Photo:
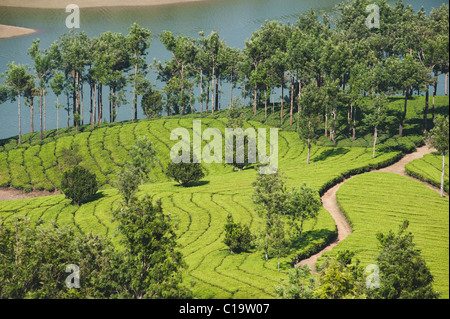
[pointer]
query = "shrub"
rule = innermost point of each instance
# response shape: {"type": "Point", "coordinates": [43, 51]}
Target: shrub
{"type": "Point", "coordinates": [237, 237]}
{"type": "Point", "coordinates": [78, 184]}
{"type": "Point", "coordinates": [185, 173]}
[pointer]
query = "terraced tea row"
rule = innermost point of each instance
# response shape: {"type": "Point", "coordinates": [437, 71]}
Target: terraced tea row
{"type": "Point", "coordinates": [200, 212]}
{"type": "Point", "coordinates": [379, 202]}
{"type": "Point", "coordinates": [429, 169]}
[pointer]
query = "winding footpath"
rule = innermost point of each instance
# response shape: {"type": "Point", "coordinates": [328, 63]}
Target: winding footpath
{"type": "Point", "coordinates": [329, 202]}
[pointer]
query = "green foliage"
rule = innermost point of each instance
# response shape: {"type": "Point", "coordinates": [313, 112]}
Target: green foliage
{"type": "Point", "coordinates": [302, 204]}
{"type": "Point", "coordinates": [79, 185]}
{"type": "Point", "coordinates": [439, 135]}
{"type": "Point", "coordinates": [152, 102]}
{"type": "Point", "coordinates": [142, 156]}
{"type": "Point", "coordinates": [155, 265]}
{"type": "Point", "coordinates": [429, 170]}
{"type": "Point", "coordinates": [340, 280]}
{"type": "Point", "coordinates": [237, 237]}
{"type": "Point", "coordinates": [33, 263]}
{"type": "Point", "coordinates": [126, 182]}
{"type": "Point", "coordinates": [185, 174]}
{"type": "Point", "coordinates": [404, 273]}
{"type": "Point", "coordinates": [300, 284]}
{"type": "Point", "coordinates": [269, 192]}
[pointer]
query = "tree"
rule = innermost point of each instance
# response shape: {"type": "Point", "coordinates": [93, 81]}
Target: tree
{"type": "Point", "coordinates": [79, 185]}
{"type": "Point", "coordinates": [339, 279]}
{"type": "Point", "coordinates": [57, 85]}
{"type": "Point", "coordinates": [154, 263]}
{"type": "Point", "coordinates": [375, 116]}
{"type": "Point", "coordinates": [185, 174]}
{"type": "Point", "coordinates": [138, 41]}
{"type": "Point", "coordinates": [300, 284]}
{"type": "Point", "coordinates": [439, 139]}
{"type": "Point", "coordinates": [74, 57]}
{"type": "Point", "coordinates": [312, 101]}
{"type": "Point", "coordinates": [237, 237]}
{"type": "Point", "coordinates": [302, 204]}
{"type": "Point", "coordinates": [126, 182]}
{"type": "Point", "coordinates": [143, 159]}
{"type": "Point", "coordinates": [403, 271]}
{"type": "Point", "coordinates": [269, 193]}
{"type": "Point", "coordinates": [269, 197]}
{"type": "Point", "coordinates": [36, 257]}
{"type": "Point", "coordinates": [43, 65]}
{"type": "Point", "coordinates": [152, 102]}
{"type": "Point", "coordinates": [17, 79]}
{"type": "Point", "coordinates": [179, 68]}
{"type": "Point", "coordinates": [408, 74]}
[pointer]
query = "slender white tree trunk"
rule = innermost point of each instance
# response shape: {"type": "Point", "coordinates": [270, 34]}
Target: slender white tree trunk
{"type": "Point", "coordinates": [442, 175]}
{"type": "Point", "coordinates": [375, 135]}
{"type": "Point", "coordinates": [20, 122]}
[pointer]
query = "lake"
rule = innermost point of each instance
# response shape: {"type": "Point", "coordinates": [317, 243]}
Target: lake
{"type": "Point", "coordinates": [235, 20]}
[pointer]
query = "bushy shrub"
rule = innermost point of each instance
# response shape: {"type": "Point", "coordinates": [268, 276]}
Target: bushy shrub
{"type": "Point", "coordinates": [237, 237]}
{"type": "Point", "coordinates": [79, 185]}
{"type": "Point", "coordinates": [185, 173]}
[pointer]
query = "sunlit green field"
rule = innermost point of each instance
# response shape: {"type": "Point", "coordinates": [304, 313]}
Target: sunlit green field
{"type": "Point", "coordinates": [199, 213]}
{"type": "Point", "coordinates": [429, 169]}
{"type": "Point", "coordinates": [379, 202]}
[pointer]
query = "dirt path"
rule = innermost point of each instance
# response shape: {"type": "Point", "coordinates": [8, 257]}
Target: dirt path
{"type": "Point", "coordinates": [12, 194]}
{"type": "Point", "coordinates": [330, 203]}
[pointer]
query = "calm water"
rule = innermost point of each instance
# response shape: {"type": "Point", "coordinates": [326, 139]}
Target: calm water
{"type": "Point", "coordinates": [235, 20]}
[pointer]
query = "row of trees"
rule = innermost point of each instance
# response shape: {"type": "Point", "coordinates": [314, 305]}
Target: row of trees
{"type": "Point", "coordinates": [396, 275]}
{"type": "Point", "coordinates": [73, 61]}
{"type": "Point", "coordinates": [334, 54]}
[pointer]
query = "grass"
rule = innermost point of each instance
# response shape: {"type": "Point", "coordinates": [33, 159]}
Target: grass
{"type": "Point", "coordinates": [379, 202]}
{"type": "Point", "coordinates": [429, 169]}
{"type": "Point", "coordinates": [199, 213]}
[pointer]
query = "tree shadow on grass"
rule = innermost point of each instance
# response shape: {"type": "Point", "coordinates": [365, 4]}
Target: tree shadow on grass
{"type": "Point", "coordinates": [195, 184]}
{"type": "Point", "coordinates": [330, 153]}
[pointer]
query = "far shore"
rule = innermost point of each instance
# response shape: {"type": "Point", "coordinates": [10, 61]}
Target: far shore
{"type": "Point", "coordinates": [55, 4]}
{"type": "Point", "coordinates": [9, 31]}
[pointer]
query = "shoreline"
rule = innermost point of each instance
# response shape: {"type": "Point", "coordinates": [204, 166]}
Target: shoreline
{"type": "Point", "coordinates": [85, 4]}
{"type": "Point", "coordinates": [9, 31]}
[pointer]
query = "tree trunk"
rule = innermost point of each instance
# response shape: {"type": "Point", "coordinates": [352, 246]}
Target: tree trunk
{"type": "Point", "coordinates": [326, 124]}
{"type": "Point", "coordinates": [57, 115]}
{"type": "Point", "coordinates": [301, 230]}
{"type": "Point", "coordinates": [20, 121]}
{"type": "Point", "coordinates": [81, 102]}
{"type": "Point", "coordinates": [93, 106]}
{"type": "Point", "coordinates": [265, 103]}
{"type": "Point", "coordinates": [442, 175]}
{"type": "Point", "coordinates": [446, 84]}
{"type": "Point", "coordinates": [32, 116]}
{"type": "Point", "coordinates": [40, 115]}
{"type": "Point", "coordinates": [135, 89]}
{"type": "Point", "coordinates": [201, 92]}
{"type": "Point", "coordinates": [114, 105]}
{"type": "Point", "coordinates": [110, 106]}
{"type": "Point", "coordinates": [309, 151]}
{"type": "Point", "coordinates": [91, 110]}
{"type": "Point", "coordinates": [354, 124]}
{"type": "Point", "coordinates": [434, 95]}
{"type": "Point", "coordinates": [291, 112]}
{"type": "Point", "coordinates": [217, 94]}
{"type": "Point", "coordinates": [375, 136]}
{"type": "Point", "coordinates": [255, 98]}
{"type": "Point", "coordinates": [425, 111]}
{"type": "Point", "coordinates": [45, 117]}
{"type": "Point", "coordinates": [282, 104]}
{"type": "Point", "coordinates": [231, 90]}
{"type": "Point", "coordinates": [402, 119]}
